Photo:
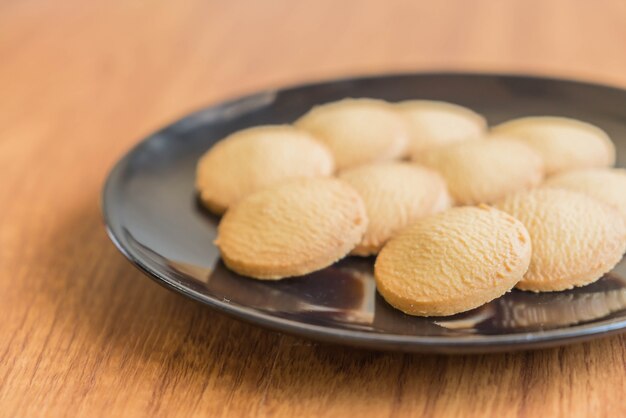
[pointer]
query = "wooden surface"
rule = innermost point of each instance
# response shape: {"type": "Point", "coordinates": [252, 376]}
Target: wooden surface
{"type": "Point", "coordinates": [84, 333]}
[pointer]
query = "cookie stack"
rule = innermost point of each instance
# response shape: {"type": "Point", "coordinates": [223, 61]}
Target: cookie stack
{"type": "Point", "coordinates": [457, 214]}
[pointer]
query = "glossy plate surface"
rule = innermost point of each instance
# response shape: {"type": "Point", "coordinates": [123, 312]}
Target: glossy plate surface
{"type": "Point", "coordinates": [152, 216]}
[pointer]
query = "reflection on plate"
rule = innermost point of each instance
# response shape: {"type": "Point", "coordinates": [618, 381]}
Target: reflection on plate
{"type": "Point", "coordinates": [345, 293]}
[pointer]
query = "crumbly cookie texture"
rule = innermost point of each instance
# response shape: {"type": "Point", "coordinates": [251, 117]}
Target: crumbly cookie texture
{"type": "Point", "coordinates": [434, 123]}
{"type": "Point", "coordinates": [575, 238]}
{"type": "Point", "coordinates": [292, 229]}
{"type": "Point", "coordinates": [485, 171]}
{"type": "Point", "coordinates": [255, 158]}
{"type": "Point", "coordinates": [357, 131]}
{"type": "Point", "coordinates": [453, 261]}
{"type": "Point", "coordinates": [396, 194]}
{"type": "Point", "coordinates": [605, 184]}
{"type": "Point", "coordinates": [563, 143]}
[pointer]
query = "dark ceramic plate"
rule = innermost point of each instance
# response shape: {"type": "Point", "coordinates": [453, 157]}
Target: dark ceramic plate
{"type": "Point", "coordinates": [152, 216]}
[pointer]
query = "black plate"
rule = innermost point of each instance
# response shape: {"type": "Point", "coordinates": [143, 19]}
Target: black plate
{"type": "Point", "coordinates": [152, 216]}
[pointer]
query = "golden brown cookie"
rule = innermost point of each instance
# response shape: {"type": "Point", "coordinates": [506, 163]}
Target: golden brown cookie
{"type": "Point", "coordinates": [255, 158]}
{"type": "Point", "coordinates": [395, 194]}
{"type": "Point", "coordinates": [485, 171]}
{"type": "Point", "coordinates": [564, 144]}
{"type": "Point", "coordinates": [575, 238]}
{"type": "Point", "coordinates": [605, 184]}
{"type": "Point", "coordinates": [453, 261]}
{"type": "Point", "coordinates": [433, 124]}
{"type": "Point", "coordinates": [357, 131]}
{"type": "Point", "coordinates": [292, 229]}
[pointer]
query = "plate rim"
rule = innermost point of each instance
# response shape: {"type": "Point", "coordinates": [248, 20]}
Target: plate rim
{"type": "Point", "coordinates": [467, 344]}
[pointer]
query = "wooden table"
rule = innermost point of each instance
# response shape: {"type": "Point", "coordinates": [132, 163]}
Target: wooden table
{"type": "Point", "coordinates": [82, 332]}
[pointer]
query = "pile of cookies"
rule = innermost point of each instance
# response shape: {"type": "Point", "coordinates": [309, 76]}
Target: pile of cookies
{"type": "Point", "coordinates": [458, 214]}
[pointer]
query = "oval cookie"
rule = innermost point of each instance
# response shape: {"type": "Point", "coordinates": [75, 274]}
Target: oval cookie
{"type": "Point", "coordinates": [564, 144]}
{"type": "Point", "coordinates": [292, 229]}
{"type": "Point", "coordinates": [433, 124]}
{"type": "Point", "coordinates": [453, 261]}
{"type": "Point", "coordinates": [575, 238]}
{"type": "Point", "coordinates": [395, 194]}
{"type": "Point", "coordinates": [485, 171]}
{"type": "Point", "coordinates": [357, 131]}
{"type": "Point", "coordinates": [255, 158]}
{"type": "Point", "coordinates": [605, 184]}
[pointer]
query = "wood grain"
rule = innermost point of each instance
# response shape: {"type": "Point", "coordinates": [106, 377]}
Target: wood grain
{"type": "Point", "coordinates": [83, 333]}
